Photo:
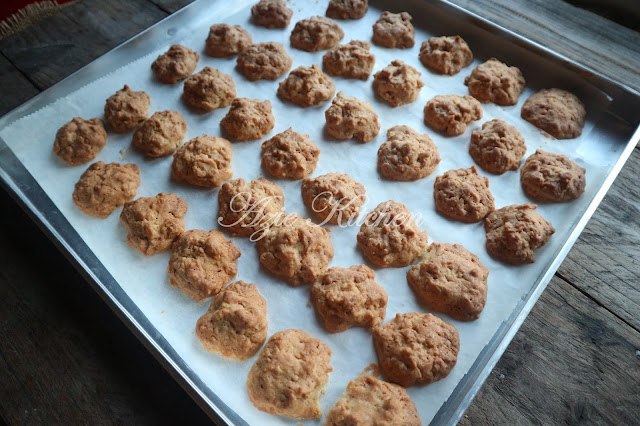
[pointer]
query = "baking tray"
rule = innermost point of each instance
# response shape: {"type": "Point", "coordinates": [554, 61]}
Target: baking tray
{"type": "Point", "coordinates": [612, 127]}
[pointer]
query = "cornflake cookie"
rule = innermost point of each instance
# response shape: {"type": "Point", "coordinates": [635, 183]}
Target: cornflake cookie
{"type": "Point", "coordinates": [209, 89]}
{"type": "Point", "coordinates": [202, 262]}
{"type": "Point", "coordinates": [370, 401]}
{"type": "Point", "coordinates": [248, 119]}
{"type": "Point", "coordinates": [306, 86]}
{"type": "Point", "coordinates": [245, 209]}
{"type": "Point", "coordinates": [394, 30]}
{"type": "Point", "coordinates": [102, 188]}
{"type": "Point", "coordinates": [79, 141]}
{"type": "Point", "coordinates": [290, 375]}
{"type": "Point", "coordinates": [271, 14]}
{"type": "Point", "coordinates": [463, 195]}
{"type": "Point", "coordinates": [494, 81]}
{"type": "Point", "coordinates": [452, 280]}
{"type": "Point", "coordinates": [450, 114]}
{"type": "Point", "coordinates": [351, 60]}
{"type": "Point", "coordinates": [176, 64]}
{"type": "Point", "coordinates": [515, 232]}
{"type": "Point", "coordinates": [349, 117]}
{"type": "Point", "coordinates": [416, 348]}
{"type": "Point", "coordinates": [445, 55]}
{"type": "Point", "coordinates": [546, 176]}
{"type": "Point", "coordinates": [264, 61]}
{"type": "Point", "coordinates": [160, 134]}
{"type": "Point", "coordinates": [347, 9]}
{"type": "Point", "coordinates": [407, 155]}
{"type": "Point", "coordinates": [398, 83]}
{"type": "Point", "coordinates": [316, 33]}
{"type": "Point", "coordinates": [125, 109]}
{"type": "Point", "coordinates": [235, 326]}
{"type": "Point", "coordinates": [295, 249]}
{"type": "Point", "coordinates": [203, 161]}
{"type": "Point", "coordinates": [498, 147]}
{"type": "Point", "coordinates": [390, 237]}
{"type": "Point", "coordinates": [349, 297]}
{"type": "Point", "coordinates": [333, 198]}
{"type": "Point", "coordinates": [225, 40]}
{"type": "Point", "coordinates": [153, 223]}
{"type": "Point", "coordinates": [290, 155]}
{"type": "Point", "coordinates": [557, 112]}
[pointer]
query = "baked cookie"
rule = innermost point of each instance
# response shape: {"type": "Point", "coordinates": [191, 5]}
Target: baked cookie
{"type": "Point", "coordinates": [203, 161]}
{"type": "Point", "coordinates": [226, 40]}
{"type": "Point", "coordinates": [79, 141]}
{"type": "Point", "coordinates": [498, 147]}
{"type": "Point", "coordinates": [349, 117]}
{"type": "Point", "coordinates": [160, 134]}
{"type": "Point", "coordinates": [306, 86]}
{"type": "Point", "coordinates": [349, 297]}
{"type": "Point", "coordinates": [494, 81]}
{"type": "Point", "coordinates": [416, 348]}
{"type": "Point", "coordinates": [290, 375]}
{"type": "Point", "coordinates": [202, 262]}
{"type": "Point", "coordinates": [102, 188]}
{"type": "Point", "coordinates": [245, 209]}
{"type": "Point", "coordinates": [515, 232]}
{"type": "Point", "coordinates": [394, 30]}
{"type": "Point", "coordinates": [445, 55]}
{"type": "Point", "coordinates": [463, 195]}
{"type": "Point", "coordinates": [125, 109]}
{"type": "Point", "coordinates": [209, 89]}
{"type": "Point", "coordinates": [351, 60]}
{"type": "Point", "coordinates": [347, 9]}
{"type": "Point", "coordinates": [390, 237]}
{"type": "Point", "coordinates": [333, 198]}
{"type": "Point", "coordinates": [153, 223]}
{"type": "Point", "coordinates": [546, 176]}
{"type": "Point", "coordinates": [452, 280]}
{"type": "Point", "coordinates": [263, 61]}
{"type": "Point", "coordinates": [557, 112]}
{"type": "Point", "coordinates": [316, 33]}
{"type": "Point", "coordinates": [398, 83]}
{"type": "Point", "coordinates": [176, 64]}
{"type": "Point", "coordinates": [271, 14]}
{"type": "Point", "coordinates": [248, 119]}
{"type": "Point", "coordinates": [407, 155]}
{"type": "Point", "coordinates": [370, 401]}
{"type": "Point", "coordinates": [450, 114]}
{"type": "Point", "coordinates": [295, 249]}
{"type": "Point", "coordinates": [290, 155]}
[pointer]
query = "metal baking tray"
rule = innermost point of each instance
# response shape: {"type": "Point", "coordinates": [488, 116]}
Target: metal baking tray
{"type": "Point", "coordinates": [613, 127]}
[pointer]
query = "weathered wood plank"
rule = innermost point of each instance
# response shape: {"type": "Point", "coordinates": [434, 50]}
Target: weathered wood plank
{"type": "Point", "coordinates": [16, 89]}
{"type": "Point", "coordinates": [171, 6]}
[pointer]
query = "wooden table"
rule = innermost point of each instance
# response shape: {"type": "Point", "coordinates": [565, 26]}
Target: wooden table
{"type": "Point", "coordinates": [66, 358]}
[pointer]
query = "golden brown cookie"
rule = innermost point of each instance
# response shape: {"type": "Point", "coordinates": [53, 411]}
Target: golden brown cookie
{"type": "Point", "coordinates": [498, 147]}
{"type": "Point", "coordinates": [306, 86]}
{"type": "Point", "coordinates": [463, 195]}
{"type": "Point", "coordinates": [102, 188]}
{"type": "Point", "coordinates": [209, 89]}
{"type": "Point", "coordinates": [203, 161]}
{"type": "Point", "coordinates": [347, 9]}
{"type": "Point", "coordinates": [390, 237]}
{"type": "Point", "coordinates": [160, 134]}
{"type": "Point", "coordinates": [271, 14]}
{"type": "Point", "coordinates": [445, 55]}
{"type": "Point", "coordinates": [546, 176]}
{"type": "Point", "coordinates": [349, 117]}
{"type": "Point", "coordinates": [416, 348]}
{"type": "Point", "coordinates": [494, 81]}
{"type": "Point", "coordinates": [452, 280]}
{"type": "Point", "coordinates": [248, 119]}
{"type": "Point", "coordinates": [349, 297]}
{"type": "Point", "coordinates": [290, 375]}
{"type": "Point", "coordinates": [351, 60]}
{"type": "Point", "coordinates": [450, 114]}
{"type": "Point", "coordinates": [235, 326]}
{"type": "Point", "coordinates": [79, 141]}
{"type": "Point", "coordinates": [176, 64]}
{"type": "Point", "coordinates": [125, 109]}
{"type": "Point", "coordinates": [333, 198]}
{"type": "Point", "coordinates": [398, 83]}
{"type": "Point", "coordinates": [515, 232]}
{"type": "Point", "coordinates": [316, 33]}
{"type": "Point", "coordinates": [153, 223]}
{"type": "Point", "coordinates": [290, 155]}
{"type": "Point", "coordinates": [264, 61]}
{"type": "Point", "coordinates": [394, 30]}
{"type": "Point", "coordinates": [407, 155]}
{"type": "Point", "coordinates": [226, 40]}
{"type": "Point", "coordinates": [557, 112]}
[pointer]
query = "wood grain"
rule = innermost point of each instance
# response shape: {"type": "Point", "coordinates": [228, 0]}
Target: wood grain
{"type": "Point", "coordinates": [18, 91]}
{"type": "Point", "coordinates": [171, 6]}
